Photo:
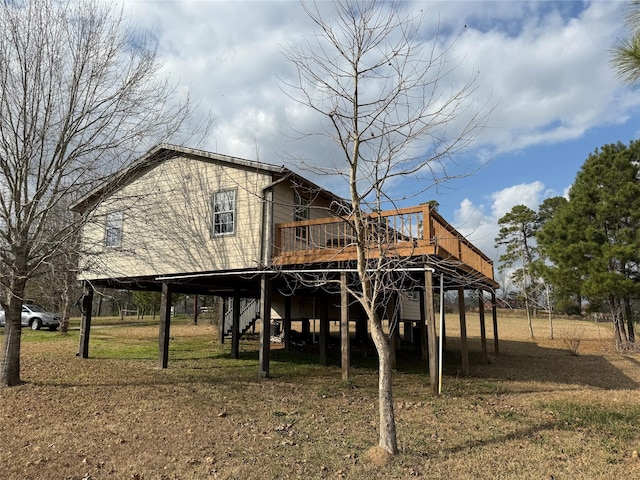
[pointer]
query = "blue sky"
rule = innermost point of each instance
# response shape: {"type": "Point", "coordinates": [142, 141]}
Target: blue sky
{"type": "Point", "coordinates": [543, 67]}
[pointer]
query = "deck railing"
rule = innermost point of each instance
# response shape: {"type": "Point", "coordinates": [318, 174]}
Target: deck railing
{"type": "Point", "coordinates": [412, 231]}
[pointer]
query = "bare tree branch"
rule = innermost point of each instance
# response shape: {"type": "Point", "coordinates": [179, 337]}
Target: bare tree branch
{"type": "Point", "coordinates": [81, 94]}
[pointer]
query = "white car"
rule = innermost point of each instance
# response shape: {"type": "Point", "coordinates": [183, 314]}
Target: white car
{"type": "Point", "coordinates": [35, 317]}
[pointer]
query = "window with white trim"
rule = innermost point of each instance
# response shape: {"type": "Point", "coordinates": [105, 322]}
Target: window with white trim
{"type": "Point", "coordinates": [113, 229]}
{"type": "Point", "coordinates": [224, 212]}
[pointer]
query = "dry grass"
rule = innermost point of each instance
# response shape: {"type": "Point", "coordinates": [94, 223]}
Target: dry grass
{"type": "Point", "coordinates": [534, 412]}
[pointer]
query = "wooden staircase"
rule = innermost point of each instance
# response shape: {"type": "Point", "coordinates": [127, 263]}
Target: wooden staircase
{"type": "Point", "coordinates": [249, 315]}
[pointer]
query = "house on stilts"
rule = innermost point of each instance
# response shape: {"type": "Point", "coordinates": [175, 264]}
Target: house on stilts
{"type": "Point", "coordinates": [272, 245]}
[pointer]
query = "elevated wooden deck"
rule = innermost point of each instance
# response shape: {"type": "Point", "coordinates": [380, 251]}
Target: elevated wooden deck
{"type": "Point", "coordinates": [410, 232]}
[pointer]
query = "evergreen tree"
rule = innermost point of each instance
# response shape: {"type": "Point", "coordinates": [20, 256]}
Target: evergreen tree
{"type": "Point", "coordinates": [518, 235]}
{"type": "Point", "coordinates": [565, 281]}
{"type": "Point", "coordinates": [595, 238]}
{"type": "Point", "coordinates": [626, 54]}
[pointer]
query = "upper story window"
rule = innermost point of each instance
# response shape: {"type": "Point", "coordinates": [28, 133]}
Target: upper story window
{"type": "Point", "coordinates": [224, 212]}
{"type": "Point", "coordinates": [113, 230]}
{"type": "Point", "coordinates": [300, 213]}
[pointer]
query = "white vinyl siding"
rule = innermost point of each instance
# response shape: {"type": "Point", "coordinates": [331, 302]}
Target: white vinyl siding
{"type": "Point", "coordinates": [284, 203]}
{"type": "Point", "coordinates": [169, 222]}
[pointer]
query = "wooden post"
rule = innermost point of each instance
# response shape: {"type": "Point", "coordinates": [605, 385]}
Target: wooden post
{"type": "Point", "coordinates": [222, 310]}
{"type": "Point", "coordinates": [165, 325]}
{"type": "Point", "coordinates": [287, 323]}
{"type": "Point", "coordinates": [195, 309]}
{"type": "Point", "coordinates": [427, 221]}
{"type": "Point", "coordinates": [323, 344]}
{"type": "Point", "coordinates": [463, 332]}
{"type": "Point", "coordinates": [265, 316]}
{"type": "Point", "coordinates": [444, 328]}
{"type": "Point", "coordinates": [235, 326]}
{"type": "Point", "coordinates": [423, 326]}
{"type": "Point", "coordinates": [431, 334]}
{"type": "Point", "coordinates": [494, 314]}
{"type": "Point", "coordinates": [85, 325]}
{"type": "Point", "coordinates": [344, 327]}
{"type": "Point", "coordinates": [483, 333]}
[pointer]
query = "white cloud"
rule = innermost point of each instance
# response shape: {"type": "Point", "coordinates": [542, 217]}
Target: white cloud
{"type": "Point", "coordinates": [551, 77]}
{"type": "Point", "coordinates": [534, 62]}
{"type": "Point", "coordinates": [481, 226]}
{"type": "Point", "coordinates": [527, 194]}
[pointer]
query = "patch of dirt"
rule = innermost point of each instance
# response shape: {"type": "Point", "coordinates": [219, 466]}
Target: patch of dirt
{"type": "Point", "coordinates": [379, 456]}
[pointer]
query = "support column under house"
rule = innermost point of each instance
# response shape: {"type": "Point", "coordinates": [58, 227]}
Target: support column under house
{"type": "Point", "coordinates": [235, 326]}
{"type": "Point", "coordinates": [463, 332]}
{"type": "Point", "coordinates": [165, 325]}
{"type": "Point", "coordinates": [483, 333]}
{"type": "Point", "coordinates": [323, 341]}
{"type": "Point", "coordinates": [344, 327]}
{"type": "Point", "coordinates": [431, 330]}
{"type": "Point", "coordinates": [286, 327]}
{"type": "Point", "coordinates": [265, 316]}
{"type": "Point", "coordinates": [494, 314]}
{"type": "Point", "coordinates": [222, 309]}
{"type": "Point", "coordinates": [85, 323]}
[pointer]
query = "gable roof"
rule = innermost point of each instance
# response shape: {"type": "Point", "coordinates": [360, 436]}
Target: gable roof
{"type": "Point", "coordinates": [163, 152]}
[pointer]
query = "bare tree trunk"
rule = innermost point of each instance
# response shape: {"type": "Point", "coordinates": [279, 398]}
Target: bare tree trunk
{"type": "Point", "coordinates": [629, 314]}
{"type": "Point", "coordinates": [387, 436]}
{"type": "Point", "coordinates": [10, 372]}
{"type": "Point", "coordinates": [528, 308]}
{"type": "Point", "coordinates": [618, 325]}
{"type": "Point", "coordinates": [549, 306]}
{"type": "Point", "coordinates": [65, 307]}
{"type": "Point", "coordinates": [619, 335]}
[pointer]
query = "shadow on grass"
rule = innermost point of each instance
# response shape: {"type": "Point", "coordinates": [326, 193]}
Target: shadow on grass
{"type": "Point", "coordinates": [526, 361]}
{"type": "Point", "coordinates": [615, 425]}
{"type": "Point", "coordinates": [518, 361]}
{"type": "Point", "coordinates": [519, 434]}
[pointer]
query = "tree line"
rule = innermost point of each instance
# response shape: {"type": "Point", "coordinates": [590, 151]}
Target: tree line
{"type": "Point", "coordinates": [582, 250]}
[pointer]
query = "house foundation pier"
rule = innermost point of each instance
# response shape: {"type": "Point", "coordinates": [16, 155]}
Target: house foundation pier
{"type": "Point", "coordinates": [165, 325]}
{"type": "Point", "coordinates": [463, 333]}
{"type": "Point", "coordinates": [265, 331]}
{"type": "Point", "coordinates": [432, 344]}
{"type": "Point", "coordinates": [483, 333]}
{"type": "Point", "coordinates": [85, 323]}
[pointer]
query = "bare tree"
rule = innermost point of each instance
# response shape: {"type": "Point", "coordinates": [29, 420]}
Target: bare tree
{"type": "Point", "coordinates": [382, 92]}
{"type": "Point", "coordinates": [81, 94]}
{"type": "Point", "coordinates": [54, 284]}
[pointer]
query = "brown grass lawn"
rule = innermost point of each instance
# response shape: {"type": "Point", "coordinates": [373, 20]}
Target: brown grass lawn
{"type": "Point", "coordinates": [534, 412]}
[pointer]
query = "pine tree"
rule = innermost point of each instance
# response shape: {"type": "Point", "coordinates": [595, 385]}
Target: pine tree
{"type": "Point", "coordinates": [595, 238]}
{"type": "Point", "coordinates": [518, 235]}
